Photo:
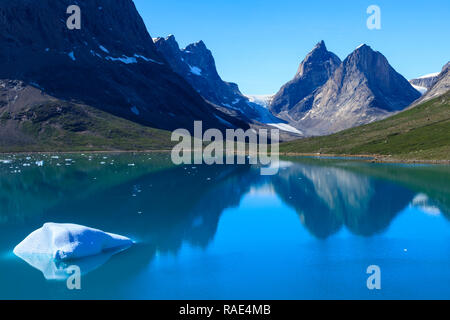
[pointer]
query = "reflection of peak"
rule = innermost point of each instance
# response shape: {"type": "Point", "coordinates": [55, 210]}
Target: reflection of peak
{"type": "Point", "coordinates": [327, 198]}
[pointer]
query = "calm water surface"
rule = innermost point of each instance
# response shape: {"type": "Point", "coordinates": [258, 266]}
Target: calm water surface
{"type": "Point", "coordinates": [226, 232]}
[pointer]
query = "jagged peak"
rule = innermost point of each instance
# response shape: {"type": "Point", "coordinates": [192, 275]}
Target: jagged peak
{"type": "Point", "coordinates": [199, 45]}
{"type": "Point", "coordinates": [320, 45]}
{"type": "Point", "coordinates": [361, 46]}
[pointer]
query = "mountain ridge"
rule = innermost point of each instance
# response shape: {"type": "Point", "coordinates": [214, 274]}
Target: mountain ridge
{"type": "Point", "coordinates": [111, 63]}
{"type": "Point", "coordinates": [363, 89]}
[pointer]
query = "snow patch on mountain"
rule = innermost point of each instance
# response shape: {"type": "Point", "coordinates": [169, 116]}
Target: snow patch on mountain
{"type": "Point", "coordinates": [195, 70]}
{"type": "Point", "coordinates": [262, 100]}
{"type": "Point", "coordinates": [421, 89]}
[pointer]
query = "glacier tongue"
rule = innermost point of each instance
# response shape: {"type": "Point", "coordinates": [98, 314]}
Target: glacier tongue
{"type": "Point", "coordinates": [68, 242]}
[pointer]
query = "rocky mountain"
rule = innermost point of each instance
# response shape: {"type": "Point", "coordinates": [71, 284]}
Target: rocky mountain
{"type": "Point", "coordinates": [111, 63]}
{"type": "Point", "coordinates": [419, 133]}
{"type": "Point", "coordinates": [312, 73]}
{"type": "Point", "coordinates": [196, 65]}
{"type": "Point", "coordinates": [363, 89]}
{"type": "Point", "coordinates": [440, 85]}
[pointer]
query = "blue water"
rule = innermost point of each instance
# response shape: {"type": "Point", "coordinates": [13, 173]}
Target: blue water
{"type": "Point", "coordinates": [226, 232]}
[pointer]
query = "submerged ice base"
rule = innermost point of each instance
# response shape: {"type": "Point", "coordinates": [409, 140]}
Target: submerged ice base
{"type": "Point", "coordinates": [63, 242]}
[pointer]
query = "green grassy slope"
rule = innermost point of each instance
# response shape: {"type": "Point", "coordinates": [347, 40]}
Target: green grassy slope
{"type": "Point", "coordinates": [420, 133]}
{"type": "Point", "coordinates": [63, 126]}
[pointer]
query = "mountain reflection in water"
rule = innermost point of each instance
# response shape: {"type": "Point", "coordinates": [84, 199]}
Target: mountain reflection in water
{"type": "Point", "coordinates": [164, 207]}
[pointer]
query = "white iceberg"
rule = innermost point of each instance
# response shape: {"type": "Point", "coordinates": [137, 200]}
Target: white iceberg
{"type": "Point", "coordinates": [63, 242]}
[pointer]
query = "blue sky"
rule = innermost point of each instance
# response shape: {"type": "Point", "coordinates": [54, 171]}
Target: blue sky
{"type": "Point", "coordinates": [259, 43]}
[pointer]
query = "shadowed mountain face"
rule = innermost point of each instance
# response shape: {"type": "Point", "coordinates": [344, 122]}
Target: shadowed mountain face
{"type": "Point", "coordinates": [312, 73]}
{"type": "Point", "coordinates": [111, 63]}
{"type": "Point", "coordinates": [196, 65]}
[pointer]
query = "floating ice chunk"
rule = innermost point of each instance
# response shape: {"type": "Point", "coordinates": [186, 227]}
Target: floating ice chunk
{"type": "Point", "coordinates": [72, 56]}
{"type": "Point", "coordinates": [69, 241]}
{"type": "Point", "coordinates": [135, 110]}
{"type": "Point", "coordinates": [40, 163]}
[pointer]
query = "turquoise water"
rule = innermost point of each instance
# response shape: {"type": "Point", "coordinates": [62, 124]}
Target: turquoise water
{"type": "Point", "coordinates": [226, 232]}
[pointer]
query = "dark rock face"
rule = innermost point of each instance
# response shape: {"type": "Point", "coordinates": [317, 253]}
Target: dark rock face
{"type": "Point", "coordinates": [197, 66]}
{"type": "Point", "coordinates": [364, 88]}
{"type": "Point", "coordinates": [312, 73]}
{"type": "Point", "coordinates": [111, 63]}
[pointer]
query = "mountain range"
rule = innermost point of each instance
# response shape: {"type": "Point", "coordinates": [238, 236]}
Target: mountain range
{"type": "Point", "coordinates": [111, 63]}
{"type": "Point", "coordinates": [110, 85]}
{"type": "Point", "coordinates": [196, 65]}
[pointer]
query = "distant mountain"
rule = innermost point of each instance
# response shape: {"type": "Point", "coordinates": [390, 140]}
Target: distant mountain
{"type": "Point", "coordinates": [111, 64]}
{"type": "Point", "coordinates": [196, 65]}
{"type": "Point", "coordinates": [363, 89]}
{"type": "Point", "coordinates": [439, 86]}
{"type": "Point", "coordinates": [419, 133]}
{"type": "Point", "coordinates": [262, 100]}
{"type": "Point", "coordinates": [423, 83]}
{"type": "Point", "coordinates": [312, 73]}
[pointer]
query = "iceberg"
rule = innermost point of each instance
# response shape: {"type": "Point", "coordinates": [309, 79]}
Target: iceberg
{"type": "Point", "coordinates": [64, 242]}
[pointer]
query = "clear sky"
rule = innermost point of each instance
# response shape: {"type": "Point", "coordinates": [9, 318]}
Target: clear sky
{"type": "Point", "coordinates": [259, 43]}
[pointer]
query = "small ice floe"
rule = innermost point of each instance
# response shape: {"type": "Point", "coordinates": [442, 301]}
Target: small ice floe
{"type": "Point", "coordinates": [50, 247]}
{"type": "Point", "coordinates": [72, 56]}
{"type": "Point", "coordinates": [40, 163]}
{"type": "Point", "coordinates": [131, 164]}
{"type": "Point", "coordinates": [135, 110]}
{"type": "Point", "coordinates": [6, 161]}
{"type": "Point", "coordinates": [55, 157]}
